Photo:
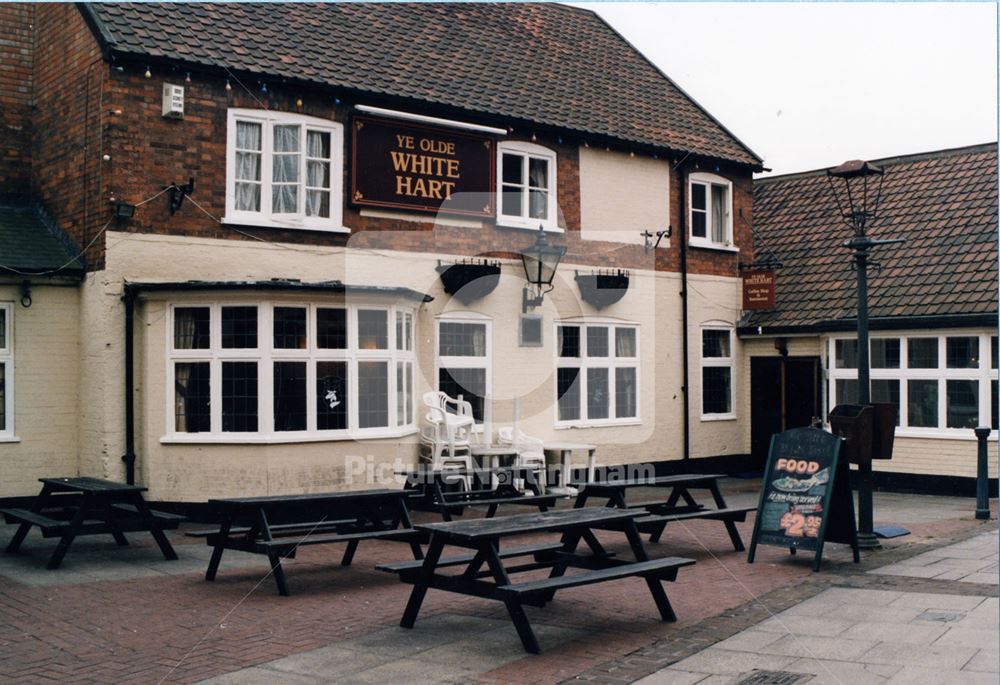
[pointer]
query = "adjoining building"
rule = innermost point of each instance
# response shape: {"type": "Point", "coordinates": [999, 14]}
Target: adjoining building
{"type": "Point", "coordinates": [932, 307]}
{"type": "Point", "coordinates": [257, 203]}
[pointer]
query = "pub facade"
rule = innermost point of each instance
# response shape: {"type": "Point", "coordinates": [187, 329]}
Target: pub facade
{"type": "Point", "coordinates": [241, 242]}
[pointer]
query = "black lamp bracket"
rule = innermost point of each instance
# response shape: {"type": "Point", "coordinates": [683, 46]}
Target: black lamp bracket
{"type": "Point", "coordinates": [178, 193]}
{"type": "Point", "coordinates": [660, 235]}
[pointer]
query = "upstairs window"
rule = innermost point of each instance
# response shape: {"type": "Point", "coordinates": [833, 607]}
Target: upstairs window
{"type": "Point", "coordinates": [710, 209]}
{"type": "Point", "coordinates": [717, 374]}
{"type": "Point", "coordinates": [283, 170]}
{"type": "Point", "coordinates": [526, 186]}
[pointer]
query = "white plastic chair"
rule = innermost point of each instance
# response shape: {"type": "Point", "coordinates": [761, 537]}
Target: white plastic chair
{"type": "Point", "coordinates": [445, 440]}
{"type": "Point", "coordinates": [530, 452]}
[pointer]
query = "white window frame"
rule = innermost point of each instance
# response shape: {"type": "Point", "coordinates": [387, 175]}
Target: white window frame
{"type": "Point", "coordinates": [528, 151]}
{"type": "Point", "coordinates": [268, 119]}
{"type": "Point", "coordinates": [718, 362]}
{"type": "Point", "coordinates": [709, 180]}
{"type": "Point", "coordinates": [7, 361]}
{"type": "Point", "coordinates": [983, 374]}
{"type": "Point", "coordinates": [611, 362]}
{"type": "Point", "coordinates": [266, 355]}
{"type": "Point", "coordinates": [451, 362]}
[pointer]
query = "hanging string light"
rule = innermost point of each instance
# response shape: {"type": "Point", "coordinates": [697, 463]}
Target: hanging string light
{"type": "Point", "coordinates": [148, 73]}
{"type": "Point", "coordinates": [263, 88]}
{"type": "Point", "coordinates": [187, 78]}
{"type": "Point", "coordinates": [298, 103]}
{"type": "Point", "coordinates": [229, 88]}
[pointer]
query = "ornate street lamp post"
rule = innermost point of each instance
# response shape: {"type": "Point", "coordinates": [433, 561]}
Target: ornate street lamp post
{"type": "Point", "coordinates": [858, 201]}
{"type": "Point", "coordinates": [540, 263]}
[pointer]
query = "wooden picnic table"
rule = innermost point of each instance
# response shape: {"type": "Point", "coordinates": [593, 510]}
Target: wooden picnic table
{"type": "Point", "coordinates": [483, 537]}
{"type": "Point", "coordinates": [68, 507]}
{"type": "Point", "coordinates": [429, 491]}
{"type": "Point", "coordinates": [277, 525]}
{"type": "Point", "coordinates": [661, 511]}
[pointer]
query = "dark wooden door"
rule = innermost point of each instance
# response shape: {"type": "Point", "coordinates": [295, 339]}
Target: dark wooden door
{"type": "Point", "coordinates": [785, 393]}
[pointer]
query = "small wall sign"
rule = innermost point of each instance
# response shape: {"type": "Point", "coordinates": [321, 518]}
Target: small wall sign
{"type": "Point", "coordinates": [401, 165]}
{"type": "Point", "coordinates": [759, 289]}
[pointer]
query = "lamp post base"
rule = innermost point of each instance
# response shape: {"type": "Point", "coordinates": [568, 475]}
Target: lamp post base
{"type": "Point", "coordinates": [868, 541]}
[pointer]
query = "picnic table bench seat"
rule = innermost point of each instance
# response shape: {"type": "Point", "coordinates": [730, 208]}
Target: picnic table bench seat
{"type": "Point", "coordinates": [658, 569]}
{"type": "Point", "coordinates": [56, 522]}
{"type": "Point", "coordinates": [654, 523]}
{"type": "Point", "coordinates": [49, 526]}
{"type": "Point", "coordinates": [460, 559]}
{"type": "Point", "coordinates": [278, 530]}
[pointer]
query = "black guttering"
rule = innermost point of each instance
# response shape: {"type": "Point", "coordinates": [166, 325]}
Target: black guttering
{"type": "Point", "coordinates": [685, 343]}
{"type": "Point", "coordinates": [883, 323]}
{"type": "Point", "coordinates": [333, 287]}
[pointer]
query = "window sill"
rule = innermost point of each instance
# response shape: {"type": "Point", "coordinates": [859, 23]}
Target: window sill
{"type": "Point", "coordinates": [712, 246]}
{"type": "Point", "coordinates": [965, 434]}
{"type": "Point", "coordinates": [9, 438]}
{"type": "Point", "coordinates": [596, 424]}
{"type": "Point", "coordinates": [278, 439]}
{"type": "Point", "coordinates": [257, 222]}
{"type": "Point", "coordinates": [719, 417]}
{"type": "Point", "coordinates": [505, 222]}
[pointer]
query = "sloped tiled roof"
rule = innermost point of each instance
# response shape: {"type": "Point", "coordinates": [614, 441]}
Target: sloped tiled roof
{"type": "Point", "coordinates": [30, 245]}
{"type": "Point", "coordinates": [944, 204]}
{"type": "Point", "coordinates": [546, 64]}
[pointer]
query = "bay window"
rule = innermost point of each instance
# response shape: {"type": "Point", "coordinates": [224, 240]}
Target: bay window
{"type": "Point", "coordinates": [526, 186]}
{"type": "Point", "coordinates": [6, 372]}
{"type": "Point", "coordinates": [939, 384]}
{"type": "Point", "coordinates": [597, 378]}
{"type": "Point", "coordinates": [284, 170]}
{"type": "Point", "coordinates": [243, 372]}
{"type": "Point", "coordinates": [710, 209]}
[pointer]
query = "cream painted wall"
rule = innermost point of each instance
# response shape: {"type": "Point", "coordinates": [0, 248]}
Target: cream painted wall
{"type": "Point", "coordinates": [622, 196]}
{"type": "Point", "coordinates": [46, 388]}
{"type": "Point", "coordinates": [956, 457]}
{"type": "Point", "coordinates": [194, 472]}
{"type": "Point", "coordinates": [715, 302]}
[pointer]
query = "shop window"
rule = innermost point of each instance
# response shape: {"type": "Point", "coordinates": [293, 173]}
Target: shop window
{"type": "Point", "coordinates": [597, 374]}
{"type": "Point", "coordinates": [710, 209]}
{"type": "Point", "coordinates": [6, 371]}
{"type": "Point", "coordinates": [464, 360]}
{"type": "Point", "coordinates": [717, 373]}
{"type": "Point", "coordinates": [526, 178]}
{"type": "Point", "coordinates": [284, 169]}
{"type": "Point", "coordinates": [319, 370]}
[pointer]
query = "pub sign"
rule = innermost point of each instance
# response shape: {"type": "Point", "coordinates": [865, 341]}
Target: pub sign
{"type": "Point", "coordinates": [759, 289]}
{"type": "Point", "coordinates": [417, 167]}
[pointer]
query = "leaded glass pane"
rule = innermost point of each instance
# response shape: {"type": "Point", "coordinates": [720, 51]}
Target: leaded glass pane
{"type": "Point", "coordinates": [332, 394]}
{"type": "Point", "coordinates": [239, 397]}
{"type": "Point", "coordinates": [289, 396]}
{"type": "Point", "coordinates": [191, 397]}
{"type": "Point", "coordinates": [191, 328]}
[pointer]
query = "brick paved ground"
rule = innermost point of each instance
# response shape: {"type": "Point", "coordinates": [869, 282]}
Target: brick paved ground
{"type": "Point", "coordinates": [173, 627]}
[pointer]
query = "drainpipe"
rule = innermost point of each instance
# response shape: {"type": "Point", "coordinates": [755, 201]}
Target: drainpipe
{"type": "Point", "coordinates": [129, 457]}
{"type": "Point", "coordinates": [684, 309]}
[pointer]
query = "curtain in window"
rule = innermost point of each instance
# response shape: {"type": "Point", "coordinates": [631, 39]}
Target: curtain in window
{"type": "Point", "coordinates": [538, 178]}
{"type": "Point", "coordinates": [184, 329]}
{"type": "Point", "coordinates": [718, 214]}
{"type": "Point", "coordinates": [248, 144]}
{"type": "Point", "coordinates": [317, 173]}
{"type": "Point", "coordinates": [284, 191]}
{"type": "Point", "coordinates": [182, 375]}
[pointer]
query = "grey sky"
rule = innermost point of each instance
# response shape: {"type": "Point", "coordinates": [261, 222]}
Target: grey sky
{"type": "Point", "coordinates": [809, 85]}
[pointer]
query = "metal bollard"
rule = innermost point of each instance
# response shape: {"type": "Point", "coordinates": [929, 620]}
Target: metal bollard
{"type": "Point", "coordinates": [982, 476]}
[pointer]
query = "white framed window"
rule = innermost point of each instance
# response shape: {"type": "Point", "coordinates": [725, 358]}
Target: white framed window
{"type": "Point", "coordinates": [942, 385]}
{"type": "Point", "coordinates": [710, 211]}
{"type": "Point", "coordinates": [597, 373]}
{"type": "Point", "coordinates": [464, 360]}
{"type": "Point", "coordinates": [717, 388]}
{"type": "Point", "coordinates": [284, 170]}
{"type": "Point", "coordinates": [6, 370]}
{"type": "Point", "coordinates": [526, 186]}
{"type": "Point", "coordinates": [289, 371]}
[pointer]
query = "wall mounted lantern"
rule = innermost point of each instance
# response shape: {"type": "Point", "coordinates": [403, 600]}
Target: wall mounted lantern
{"type": "Point", "coordinates": [540, 263]}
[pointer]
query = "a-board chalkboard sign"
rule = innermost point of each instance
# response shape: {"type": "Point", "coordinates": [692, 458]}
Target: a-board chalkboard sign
{"type": "Point", "coordinates": [805, 498]}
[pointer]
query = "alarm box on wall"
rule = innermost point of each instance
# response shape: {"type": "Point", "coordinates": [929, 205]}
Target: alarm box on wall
{"type": "Point", "coordinates": [173, 101]}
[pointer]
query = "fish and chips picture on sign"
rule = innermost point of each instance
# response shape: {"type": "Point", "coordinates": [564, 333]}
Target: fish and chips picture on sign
{"type": "Point", "coordinates": [806, 497]}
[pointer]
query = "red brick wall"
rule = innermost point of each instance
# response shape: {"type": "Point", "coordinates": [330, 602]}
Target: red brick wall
{"type": "Point", "coordinates": [79, 104]}
{"type": "Point", "coordinates": [66, 146]}
{"type": "Point", "coordinates": [16, 85]}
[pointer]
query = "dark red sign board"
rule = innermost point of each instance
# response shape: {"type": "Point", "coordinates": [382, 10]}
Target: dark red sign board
{"type": "Point", "coordinates": [759, 289]}
{"type": "Point", "coordinates": [416, 167]}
